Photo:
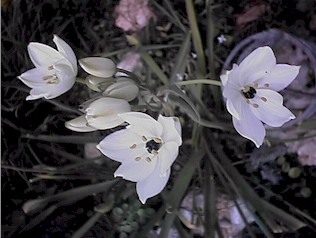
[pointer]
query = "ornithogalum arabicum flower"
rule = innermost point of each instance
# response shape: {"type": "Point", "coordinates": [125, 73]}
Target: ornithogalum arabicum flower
{"type": "Point", "coordinates": [55, 71]}
{"type": "Point", "coordinates": [101, 114]}
{"type": "Point", "coordinates": [146, 150]}
{"type": "Point", "coordinates": [250, 89]}
{"type": "Point", "coordinates": [98, 66]}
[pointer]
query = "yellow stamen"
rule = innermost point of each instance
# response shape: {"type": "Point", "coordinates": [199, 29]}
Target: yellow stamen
{"type": "Point", "coordinates": [144, 138]}
{"type": "Point", "coordinates": [157, 140]}
{"type": "Point", "coordinates": [133, 146]}
{"type": "Point", "coordinates": [148, 159]}
{"type": "Point", "coordinates": [255, 105]}
{"type": "Point", "coordinates": [138, 158]}
{"type": "Point", "coordinates": [264, 99]}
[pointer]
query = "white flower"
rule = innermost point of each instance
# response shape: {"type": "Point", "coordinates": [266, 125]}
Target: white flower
{"type": "Point", "coordinates": [55, 71]}
{"type": "Point", "coordinates": [79, 124]}
{"type": "Point", "coordinates": [101, 114]}
{"type": "Point", "coordinates": [251, 92]}
{"type": "Point", "coordinates": [146, 148]}
{"type": "Point", "coordinates": [124, 88]}
{"type": "Point", "coordinates": [98, 66]}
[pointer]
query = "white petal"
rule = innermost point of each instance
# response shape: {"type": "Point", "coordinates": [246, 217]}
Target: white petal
{"type": "Point", "coordinates": [36, 93]}
{"type": "Point", "coordinates": [234, 106]}
{"type": "Point", "coordinates": [249, 126]}
{"type": "Point", "coordinates": [256, 64]}
{"type": "Point", "coordinates": [142, 124]}
{"type": "Point", "coordinates": [103, 112]}
{"type": "Point", "coordinates": [170, 132]}
{"type": "Point", "coordinates": [270, 110]}
{"type": "Point", "coordinates": [97, 83]}
{"type": "Point", "coordinates": [34, 77]}
{"type": "Point", "coordinates": [224, 77]}
{"type": "Point", "coordinates": [79, 124]}
{"type": "Point", "coordinates": [67, 52]}
{"type": "Point", "coordinates": [134, 171]}
{"type": "Point", "coordinates": [167, 155]}
{"type": "Point", "coordinates": [280, 76]}
{"type": "Point", "coordinates": [152, 185]}
{"type": "Point", "coordinates": [117, 145]}
{"type": "Point", "coordinates": [43, 55]}
{"type": "Point", "coordinates": [233, 85]}
{"type": "Point", "coordinates": [124, 89]}
{"type": "Point", "coordinates": [98, 66]}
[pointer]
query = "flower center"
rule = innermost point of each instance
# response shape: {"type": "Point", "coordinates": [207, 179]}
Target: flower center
{"type": "Point", "coordinates": [249, 92]}
{"type": "Point", "coordinates": [52, 78]}
{"type": "Point", "coordinates": [153, 145]}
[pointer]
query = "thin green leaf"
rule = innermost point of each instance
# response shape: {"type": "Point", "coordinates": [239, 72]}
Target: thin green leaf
{"type": "Point", "coordinates": [175, 196]}
{"type": "Point", "coordinates": [197, 42]}
{"type": "Point", "coordinates": [75, 194]}
{"type": "Point", "coordinates": [210, 201]}
{"type": "Point", "coordinates": [154, 67]}
{"type": "Point", "coordinates": [181, 58]}
{"type": "Point", "coordinates": [83, 139]}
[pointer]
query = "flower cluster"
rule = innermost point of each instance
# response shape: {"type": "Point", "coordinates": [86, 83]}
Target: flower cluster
{"type": "Point", "coordinates": [146, 144]}
{"type": "Point", "coordinates": [145, 147]}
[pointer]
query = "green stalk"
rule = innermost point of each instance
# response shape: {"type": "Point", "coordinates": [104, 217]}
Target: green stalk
{"type": "Point", "coordinates": [197, 42]}
{"type": "Point", "coordinates": [200, 81]}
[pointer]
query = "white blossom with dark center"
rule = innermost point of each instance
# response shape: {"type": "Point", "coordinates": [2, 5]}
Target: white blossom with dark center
{"type": "Point", "coordinates": [146, 149]}
{"type": "Point", "coordinates": [250, 89]}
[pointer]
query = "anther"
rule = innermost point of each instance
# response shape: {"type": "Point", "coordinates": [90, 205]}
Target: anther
{"type": "Point", "coordinates": [148, 159]}
{"type": "Point", "coordinates": [256, 85]}
{"type": "Point", "coordinates": [248, 101]}
{"type": "Point", "coordinates": [157, 140]}
{"type": "Point", "coordinates": [47, 77]}
{"type": "Point", "coordinates": [144, 138]}
{"type": "Point", "coordinates": [133, 146]}
{"type": "Point", "coordinates": [154, 152]}
{"type": "Point", "coordinates": [50, 67]}
{"type": "Point", "coordinates": [255, 105]}
{"type": "Point", "coordinates": [264, 99]}
{"type": "Point", "coordinates": [266, 85]}
{"type": "Point", "coordinates": [137, 158]}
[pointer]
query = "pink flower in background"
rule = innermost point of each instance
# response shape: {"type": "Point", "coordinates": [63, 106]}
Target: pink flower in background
{"type": "Point", "coordinates": [133, 15]}
{"type": "Point", "coordinates": [130, 62]}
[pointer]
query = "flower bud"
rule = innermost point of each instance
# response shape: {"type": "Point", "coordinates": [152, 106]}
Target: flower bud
{"type": "Point", "coordinates": [98, 84]}
{"type": "Point", "coordinates": [124, 88]}
{"type": "Point", "coordinates": [102, 113]}
{"type": "Point", "coordinates": [79, 124]}
{"type": "Point", "coordinates": [98, 66]}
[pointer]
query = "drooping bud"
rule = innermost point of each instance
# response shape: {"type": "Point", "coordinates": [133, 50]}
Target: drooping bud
{"type": "Point", "coordinates": [98, 66]}
{"type": "Point", "coordinates": [124, 88]}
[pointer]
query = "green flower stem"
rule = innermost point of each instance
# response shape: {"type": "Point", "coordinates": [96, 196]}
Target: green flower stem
{"type": "Point", "coordinates": [200, 81]}
{"type": "Point", "coordinates": [155, 67]}
{"type": "Point", "coordinates": [196, 37]}
{"type": "Point", "coordinates": [130, 74]}
{"type": "Point", "coordinates": [81, 81]}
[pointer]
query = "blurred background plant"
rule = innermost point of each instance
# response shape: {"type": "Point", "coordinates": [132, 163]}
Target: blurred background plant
{"type": "Point", "coordinates": [55, 184]}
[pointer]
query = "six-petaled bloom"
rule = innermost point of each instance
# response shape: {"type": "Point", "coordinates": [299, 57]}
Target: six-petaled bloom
{"type": "Point", "coordinates": [146, 149]}
{"type": "Point", "coordinates": [250, 89]}
{"type": "Point", "coordinates": [55, 71]}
